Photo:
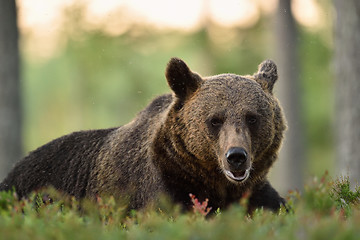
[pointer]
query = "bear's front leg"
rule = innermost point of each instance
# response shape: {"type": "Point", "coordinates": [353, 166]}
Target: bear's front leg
{"type": "Point", "coordinates": [264, 195]}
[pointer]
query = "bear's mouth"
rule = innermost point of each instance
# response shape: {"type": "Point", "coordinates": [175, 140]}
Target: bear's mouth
{"type": "Point", "coordinates": [238, 176]}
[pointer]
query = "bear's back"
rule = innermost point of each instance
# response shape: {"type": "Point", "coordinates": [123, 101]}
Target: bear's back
{"type": "Point", "coordinates": [127, 155]}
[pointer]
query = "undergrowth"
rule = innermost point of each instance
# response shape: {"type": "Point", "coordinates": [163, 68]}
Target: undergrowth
{"type": "Point", "coordinates": [327, 209]}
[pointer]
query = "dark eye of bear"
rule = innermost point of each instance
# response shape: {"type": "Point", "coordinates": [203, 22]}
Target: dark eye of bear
{"type": "Point", "coordinates": [251, 120]}
{"type": "Point", "coordinates": [216, 122]}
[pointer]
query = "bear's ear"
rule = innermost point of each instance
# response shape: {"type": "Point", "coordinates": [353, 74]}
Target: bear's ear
{"type": "Point", "coordinates": [266, 75]}
{"type": "Point", "coordinates": [181, 79]}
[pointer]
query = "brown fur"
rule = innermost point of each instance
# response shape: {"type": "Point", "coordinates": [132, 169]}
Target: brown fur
{"type": "Point", "coordinates": [177, 145]}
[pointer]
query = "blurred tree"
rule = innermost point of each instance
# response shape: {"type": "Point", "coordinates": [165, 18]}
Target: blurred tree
{"type": "Point", "coordinates": [10, 111]}
{"type": "Point", "coordinates": [347, 69]}
{"type": "Point", "coordinates": [288, 172]}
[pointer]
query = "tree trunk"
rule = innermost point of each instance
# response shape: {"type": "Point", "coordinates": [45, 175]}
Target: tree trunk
{"type": "Point", "coordinates": [10, 110]}
{"type": "Point", "coordinates": [347, 72]}
{"type": "Point", "coordinates": [288, 171]}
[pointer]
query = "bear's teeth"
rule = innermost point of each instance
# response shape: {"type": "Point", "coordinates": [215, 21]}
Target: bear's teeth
{"type": "Point", "coordinates": [238, 178]}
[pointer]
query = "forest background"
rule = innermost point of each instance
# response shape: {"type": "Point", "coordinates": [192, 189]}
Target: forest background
{"type": "Point", "coordinates": [95, 64]}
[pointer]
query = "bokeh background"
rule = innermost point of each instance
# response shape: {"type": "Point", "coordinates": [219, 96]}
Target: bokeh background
{"type": "Point", "coordinates": [94, 64]}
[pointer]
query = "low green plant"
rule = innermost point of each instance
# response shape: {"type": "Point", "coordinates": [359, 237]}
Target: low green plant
{"type": "Point", "coordinates": [345, 198]}
{"type": "Point", "coordinates": [327, 209]}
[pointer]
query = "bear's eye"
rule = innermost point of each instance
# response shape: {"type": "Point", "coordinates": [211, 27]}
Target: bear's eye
{"type": "Point", "coordinates": [251, 120]}
{"type": "Point", "coordinates": [216, 122]}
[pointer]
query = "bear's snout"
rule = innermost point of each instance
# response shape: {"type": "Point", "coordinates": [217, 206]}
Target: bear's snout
{"type": "Point", "coordinates": [238, 164]}
{"type": "Point", "coordinates": [236, 157]}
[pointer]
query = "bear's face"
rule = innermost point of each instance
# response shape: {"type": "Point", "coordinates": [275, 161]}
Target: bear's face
{"type": "Point", "coordinates": [234, 118]}
{"type": "Point", "coordinates": [227, 121]}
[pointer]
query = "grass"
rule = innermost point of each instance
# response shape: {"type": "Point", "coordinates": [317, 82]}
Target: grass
{"type": "Point", "coordinates": [327, 209]}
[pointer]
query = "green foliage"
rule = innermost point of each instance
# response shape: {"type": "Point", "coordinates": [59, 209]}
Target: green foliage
{"type": "Point", "coordinates": [326, 210]}
{"type": "Point", "coordinates": [345, 198]}
{"type": "Point", "coordinates": [317, 195]}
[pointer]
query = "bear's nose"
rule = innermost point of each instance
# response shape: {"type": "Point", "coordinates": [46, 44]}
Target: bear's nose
{"type": "Point", "coordinates": [236, 156]}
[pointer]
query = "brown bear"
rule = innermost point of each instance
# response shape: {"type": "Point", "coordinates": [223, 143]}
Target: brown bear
{"type": "Point", "coordinates": [215, 137]}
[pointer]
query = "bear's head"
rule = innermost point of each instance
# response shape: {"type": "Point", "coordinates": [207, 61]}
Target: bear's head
{"type": "Point", "coordinates": [230, 124]}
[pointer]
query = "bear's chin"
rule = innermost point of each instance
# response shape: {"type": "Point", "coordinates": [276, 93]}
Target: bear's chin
{"type": "Point", "coordinates": [237, 177]}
